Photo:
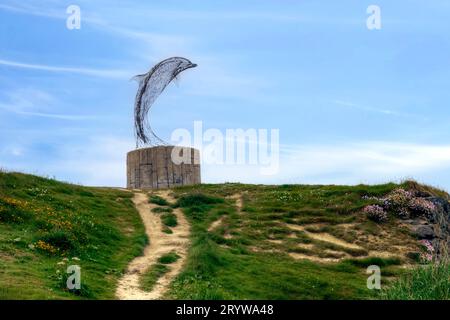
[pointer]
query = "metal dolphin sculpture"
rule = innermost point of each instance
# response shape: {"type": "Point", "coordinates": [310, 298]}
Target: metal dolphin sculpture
{"type": "Point", "coordinates": [151, 85]}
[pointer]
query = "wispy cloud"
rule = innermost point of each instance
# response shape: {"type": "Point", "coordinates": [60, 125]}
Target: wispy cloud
{"type": "Point", "coordinates": [46, 115]}
{"type": "Point", "coordinates": [209, 15]}
{"type": "Point", "coordinates": [36, 103]}
{"type": "Point", "coordinates": [384, 111]}
{"type": "Point", "coordinates": [14, 109]}
{"type": "Point", "coordinates": [148, 46]}
{"type": "Point", "coordinates": [100, 161]}
{"type": "Point", "coordinates": [370, 159]}
{"type": "Point", "coordinates": [380, 110]}
{"type": "Point", "coordinates": [24, 8]}
{"type": "Point", "coordinates": [363, 162]}
{"type": "Point", "coordinates": [48, 10]}
{"type": "Point", "coordinates": [112, 74]}
{"type": "Point", "coordinates": [96, 161]}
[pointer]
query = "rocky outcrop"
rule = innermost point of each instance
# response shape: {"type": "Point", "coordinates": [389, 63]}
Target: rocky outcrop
{"type": "Point", "coordinates": [434, 228]}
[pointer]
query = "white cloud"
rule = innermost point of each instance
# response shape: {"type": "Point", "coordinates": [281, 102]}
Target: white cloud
{"type": "Point", "coordinates": [365, 162]}
{"type": "Point", "coordinates": [100, 161]}
{"type": "Point", "coordinates": [36, 103]}
{"type": "Point", "coordinates": [30, 99]}
{"type": "Point", "coordinates": [12, 150]}
{"type": "Point", "coordinates": [158, 44]}
{"type": "Point", "coordinates": [371, 159]}
{"type": "Point", "coordinates": [112, 74]}
{"type": "Point", "coordinates": [384, 111]}
{"type": "Point", "coordinates": [46, 115]}
{"type": "Point", "coordinates": [50, 9]}
{"type": "Point", "coordinates": [97, 161]}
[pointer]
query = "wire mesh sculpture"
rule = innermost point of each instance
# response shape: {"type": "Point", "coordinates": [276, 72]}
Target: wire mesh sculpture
{"type": "Point", "coordinates": [151, 85]}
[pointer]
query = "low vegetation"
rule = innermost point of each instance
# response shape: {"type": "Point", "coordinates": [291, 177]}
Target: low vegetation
{"type": "Point", "coordinates": [289, 242]}
{"type": "Point", "coordinates": [155, 272]}
{"type": "Point", "coordinates": [150, 278]}
{"type": "Point", "coordinates": [169, 258]}
{"type": "Point", "coordinates": [169, 219]}
{"type": "Point", "coordinates": [158, 200]}
{"type": "Point", "coordinates": [431, 282]}
{"type": "Point", "coordinates": [162, 210]}
{"type": "Point", "coordinates": [247, 241]}
{"type": "Point", "coordinates": [46, 225]}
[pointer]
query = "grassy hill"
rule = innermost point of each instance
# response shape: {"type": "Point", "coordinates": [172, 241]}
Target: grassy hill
{"type": "Point", "coordinates": [287, 242]}
{"type": "Point", "coordinates": [248, 241]}
{"type": "Point", "coordinates": [47, 225]}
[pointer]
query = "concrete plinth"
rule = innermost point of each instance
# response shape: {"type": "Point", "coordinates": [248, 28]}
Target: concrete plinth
{"type": "Point", "coordinates": [162, 167]}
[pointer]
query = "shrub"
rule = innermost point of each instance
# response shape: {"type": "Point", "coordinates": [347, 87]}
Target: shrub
{"type": "Point", "coordinates": [428, 251]}
{"type": "Point", "coordinates": [169, 220]}
{"type": "Point", "coordinates": [158, 200]}
{"type": "Point", "coordinates": [402, 213]}
{"type": "Point", "coordinates": [376, 213]}
{"type": "Point", "coordinates": [421, 207]}
{"type": "Point", "coordinates": [168, 258]}
{"type": "Point", "coordinates": [46, 247]}
{"type": "Point", "coordinates": [398, 202]}
{"type": "Point", "coordinates": [13, 211]}
{"type": "Point", "coordinates": [197, 200]}
{"type": "Point", "coordinates": [405, 204]}
{"type": "Point", "coordinates": [59, 240]}
{"type": "Point", "coordinates": [197, 205]}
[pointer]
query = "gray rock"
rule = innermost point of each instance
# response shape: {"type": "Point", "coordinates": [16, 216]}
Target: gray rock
{"type": "Point", "coordinates": [425, 232]}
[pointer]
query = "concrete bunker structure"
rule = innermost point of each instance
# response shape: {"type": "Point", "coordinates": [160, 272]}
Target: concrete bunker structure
{"type": "Point", "coordinates": [163, 167]}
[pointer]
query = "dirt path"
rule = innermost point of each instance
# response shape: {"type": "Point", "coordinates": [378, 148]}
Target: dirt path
{"type": "Point", "coordinates": [238, 198]}
{"type": "Point", "coordinates": [219, 222]}
{"type": "Point", "coordinates": [325, 237]}
{"type": "Point", "coordinates": [160, 244]}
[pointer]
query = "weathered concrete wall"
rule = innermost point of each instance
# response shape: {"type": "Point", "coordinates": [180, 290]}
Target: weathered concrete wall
{"type": "Point", "coordinates": [153, 168]}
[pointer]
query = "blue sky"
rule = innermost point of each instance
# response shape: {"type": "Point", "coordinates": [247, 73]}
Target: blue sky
{"type": "Point", "coordinates": [352, 105]}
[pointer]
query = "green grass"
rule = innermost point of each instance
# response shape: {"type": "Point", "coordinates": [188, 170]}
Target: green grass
{"type": "Point", "coordinates": [236, 261]}
{"type": "Point", "coordinates": [158, 200]}
{"type": "Point", "coordinates": [423, 283]}
{"type": "Point", "coordinates": [169, 258]}
{"type": "Point", "coordinates": [169, 219]}
{"type": "Point", "coordinates": [166, 229]}
{"type": "Point", "coordinates": [46, 226]}
{"type": "Point", "coordinates": [234, 272]}
{"type": "Point", "coordinates": [149, 278]}
{"type": "Point", "coordinates": [162, 210]}
{"type": "Point", "coordinates": [381, 262]}
{"type": "Point", "coordinates": [216, 273]}
{"type": "Point", "coordinates": [197, 199]}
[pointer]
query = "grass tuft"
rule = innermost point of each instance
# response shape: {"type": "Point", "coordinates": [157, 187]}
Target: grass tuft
{"type": "Point", "coordinates": [169, 220]}
{"type": "Point", "coordinates": [197, 199]}
{"type": "Point", "coordinates": [423, 283]}
{"type": "Point", "coordinates": [158, 200]}
{"type": "Point", "coordinates": [169, 258]}
{"type": "Point", "coordinates": [150, 278]}
{"type": "Point", "coordinates": [162, 210]}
